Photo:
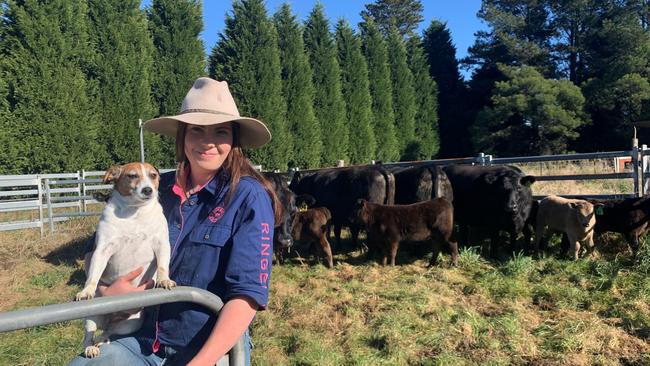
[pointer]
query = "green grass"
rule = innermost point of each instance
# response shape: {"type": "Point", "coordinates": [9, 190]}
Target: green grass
{"type": "Point", "coordinates": [519, 311]}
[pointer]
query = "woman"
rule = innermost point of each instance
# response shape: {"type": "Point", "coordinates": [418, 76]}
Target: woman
{"type": "Point", "coordinates": [221, 214]}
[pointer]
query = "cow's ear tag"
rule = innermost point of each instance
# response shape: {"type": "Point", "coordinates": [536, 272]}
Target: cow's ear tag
{"type": "Point", "coordinates": [302, 208]}
{"type": "Point", "coordinates": [599, 210]}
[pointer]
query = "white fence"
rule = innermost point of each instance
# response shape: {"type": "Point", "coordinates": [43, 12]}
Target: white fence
{"type": "Point", "coordinates": [21, 193]}
{"type": "Point", "coordinates": [48, 198]}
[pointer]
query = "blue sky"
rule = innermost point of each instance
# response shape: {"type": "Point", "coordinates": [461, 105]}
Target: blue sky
{"type": "Point", "coordinates": [460, 16]}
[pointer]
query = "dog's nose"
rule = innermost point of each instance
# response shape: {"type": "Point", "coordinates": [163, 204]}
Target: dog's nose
{"type": "Point", "coordinates": [147, 191]}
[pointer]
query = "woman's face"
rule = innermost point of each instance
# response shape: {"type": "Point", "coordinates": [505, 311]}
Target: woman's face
{"type": "Point", "coordinates": [207, 147]}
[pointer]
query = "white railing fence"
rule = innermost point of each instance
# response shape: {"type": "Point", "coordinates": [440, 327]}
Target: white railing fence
{"type": "Point", "coordinates": [42, 200]}
{"type": "Point", "coordinates": [18, 194]}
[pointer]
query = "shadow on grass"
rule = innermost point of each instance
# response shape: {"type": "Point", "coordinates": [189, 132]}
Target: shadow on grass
{"type": "Point", "coordinates": [378, 342]}
{"type": "Point", "coordinates": [639, 332]}
{"type": "Point", "coordinates": [312, 254]}
{"type": "Point", "coordinates": [408, 253]}
{"type": "Point", "coordinates": [69, 253]}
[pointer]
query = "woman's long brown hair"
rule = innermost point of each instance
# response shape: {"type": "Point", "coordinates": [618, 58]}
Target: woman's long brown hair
{"type": "Point", "coordinates": [236, 164]}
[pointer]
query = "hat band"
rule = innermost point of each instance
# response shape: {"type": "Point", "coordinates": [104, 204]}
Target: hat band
{"type": "Point", "coordinates": [197, 110]}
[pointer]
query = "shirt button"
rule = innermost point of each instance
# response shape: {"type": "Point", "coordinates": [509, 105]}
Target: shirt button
{"type": "Point", "coordinates": [178, 226]}
{"type": "Point", "coordinates": [207, 236]}
{"type": "Point", "coordinates": [192, 203]}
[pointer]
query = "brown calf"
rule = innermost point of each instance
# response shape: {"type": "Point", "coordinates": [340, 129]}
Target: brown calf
{"type": "Point", "coordinates": [312, 226]}
{"type": "Point", "coordinates": [388, 225]}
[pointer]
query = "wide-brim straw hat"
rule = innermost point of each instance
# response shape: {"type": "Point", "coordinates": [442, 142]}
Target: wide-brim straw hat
{"type": "Point", "coordinates": [209, 102]}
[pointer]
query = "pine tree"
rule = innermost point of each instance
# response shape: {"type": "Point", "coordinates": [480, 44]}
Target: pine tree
{"type": "Point", "coordinates": [403, 93]}
{"type": "Point", "coordinates": [570, 20]}
{"type": "Point", "coordinates": [44, 50]}
{"type": "Point", "coordinates": [404, 15]}
{"type": "Point", "coordinates": [381, 91]}
{"type": "Point", "coordinates": [520, 34]}
{"type": "Point", "coordinates": [530, 115]}
{"type": "Point", "coordinates": [123, 69]}
{"type": "Point", "coordinates": [356, 92]}
{"type": "Point", "coordinates": [8, 139]}
{"type": "Point", "coordinates": [426, 95]}
{"type": "Point", "coordinates": [329, 105]}
{"type": "Point", "coordinates": [617, 66]}
{"type": "Point", "coordinates": [299, 91]}
{"type": "Point", "coordinates": [178, 58]}
{"type": "Point", "coordinates": [248, 57]}
{"type": "Point", "coordinates": [443, 68]}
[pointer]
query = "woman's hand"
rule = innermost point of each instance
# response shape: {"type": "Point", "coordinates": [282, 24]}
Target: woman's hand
{"type": "Point", "coordinates": [123, 284]}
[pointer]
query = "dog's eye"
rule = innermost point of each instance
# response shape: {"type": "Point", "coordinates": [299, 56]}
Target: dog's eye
{"type": "Point", "coordinates": [153, 175]}
{"type": "Point", "coordinates": [132, 176]}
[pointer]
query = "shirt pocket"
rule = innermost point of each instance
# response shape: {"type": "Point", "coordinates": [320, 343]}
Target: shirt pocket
{"type": "Point", "coordinates": [204, 254]}
{"type": "Point", "coordinates": [212, 235]}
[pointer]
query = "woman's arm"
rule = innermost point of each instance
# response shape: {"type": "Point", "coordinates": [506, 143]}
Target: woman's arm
{"type": "Point", "coordinates": [234, 318]}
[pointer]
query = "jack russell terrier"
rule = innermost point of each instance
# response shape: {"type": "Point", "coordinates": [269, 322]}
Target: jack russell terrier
{"type": "Point", "coordinates": [132, 233]}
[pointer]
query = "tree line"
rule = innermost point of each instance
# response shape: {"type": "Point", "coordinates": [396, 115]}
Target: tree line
{"type": "Point", "coordinates": [77, 75]}
{"type": "Point", "coordinates": [547, 76]}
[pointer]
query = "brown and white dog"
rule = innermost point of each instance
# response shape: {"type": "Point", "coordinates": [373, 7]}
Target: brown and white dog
{"type": "Point", "coordinates": [132, 233]}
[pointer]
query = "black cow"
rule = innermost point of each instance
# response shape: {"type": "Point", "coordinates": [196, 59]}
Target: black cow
{"type": "Point", "coordinates": [421, 183]}
{"type": "Point", "coordinates": [491, 199]}
{"type": "Point", "coordinates": [338, 189]}
{"type": "Point", "coordinates": [282, 239]}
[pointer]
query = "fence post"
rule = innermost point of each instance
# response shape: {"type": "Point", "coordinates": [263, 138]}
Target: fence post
{"type": "Point", "coordinates": [635, 165]}
{"type": "Point", "coordinates": [83, 190]}
{"type": "Point", "coordinates": [645, 170]}
{"type": "Point", "coordinates": [141, 140]}
{"type": "Point", "coordinates": [80, 202]}
{"type": "Point", "coordinates": [40, 203]}
{"type": "Point", "coordinates": [49, 204]}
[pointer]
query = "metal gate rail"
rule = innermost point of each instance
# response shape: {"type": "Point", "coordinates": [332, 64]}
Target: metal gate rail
{"type": "Point", "coordinates": [43, 315]}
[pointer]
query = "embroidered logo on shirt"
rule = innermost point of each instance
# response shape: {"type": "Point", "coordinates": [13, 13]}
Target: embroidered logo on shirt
{"type": "Point", "coordinates": [216, 214]}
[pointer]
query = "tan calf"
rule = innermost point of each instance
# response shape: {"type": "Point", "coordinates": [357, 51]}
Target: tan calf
{"type": "Point", "coordinates": [574, 217]}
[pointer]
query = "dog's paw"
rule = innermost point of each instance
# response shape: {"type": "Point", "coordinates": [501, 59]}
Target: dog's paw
{"type": "Point", "coordinates": [168, 284]}
{"type": "Point", "coordinates": [91, 351]}
{"type": "Point", "coordinates": [85, 294]}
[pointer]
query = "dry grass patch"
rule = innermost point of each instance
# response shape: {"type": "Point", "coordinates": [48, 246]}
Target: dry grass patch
{"type": "Point", "coordinates": [596, 166]}
{"type": "Point", "coordinates": [35, 271]}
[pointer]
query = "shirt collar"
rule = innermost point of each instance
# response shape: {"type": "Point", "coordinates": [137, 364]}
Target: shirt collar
{"type": "Point", "coordinates": [213, 186]}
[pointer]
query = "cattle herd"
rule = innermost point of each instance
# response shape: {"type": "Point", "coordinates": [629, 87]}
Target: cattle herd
{"type": "Point", "coordinates": [441, 207]}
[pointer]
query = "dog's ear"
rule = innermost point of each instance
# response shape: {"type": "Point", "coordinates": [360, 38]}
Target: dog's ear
{"type": "Point", "coordinates": [112, 174]}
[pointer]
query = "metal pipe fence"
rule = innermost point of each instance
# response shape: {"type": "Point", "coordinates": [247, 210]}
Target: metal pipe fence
{"type": "Point", "coordinates": [64, 196]}
{"type": "Point", "coordinates": [49, 314]}
{"type": "Point", "coordinates": [639, 172]}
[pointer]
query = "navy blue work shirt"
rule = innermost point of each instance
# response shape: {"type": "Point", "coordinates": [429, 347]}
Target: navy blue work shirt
{"type": "Point", "coordinates": [225, 249]}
